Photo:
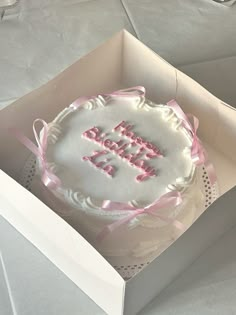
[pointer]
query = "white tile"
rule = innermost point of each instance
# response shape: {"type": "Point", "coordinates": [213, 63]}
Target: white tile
{"type": "Point", "coordinates": [184, 31]}
{"type": "Point", "coordinates": [217, 76]}
{"type": "Point", "coordinates": [47, 36]}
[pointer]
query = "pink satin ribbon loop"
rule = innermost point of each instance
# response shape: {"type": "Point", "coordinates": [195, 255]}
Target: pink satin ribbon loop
{"type": "Point", "coordinates": [171, 199]}
{"type": "Point", "coordinates": [196, 148]}
{"type": "Point", "coordinates": [129, 92]}
{"type": "Point", "coordinates": [48, 178]}
{"type": "Point", "coordinates": [42, 143]}
{"type": "Point", "coordinates": [198, 153]}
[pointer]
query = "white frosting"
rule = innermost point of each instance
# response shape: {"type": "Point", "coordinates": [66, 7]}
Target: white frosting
{"type": "Point", "coordinates": [155, 123]}
{"type": "Point", "coordinates": [84, 186]}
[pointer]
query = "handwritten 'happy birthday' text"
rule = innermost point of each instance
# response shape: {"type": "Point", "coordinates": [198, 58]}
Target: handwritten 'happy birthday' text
{"type": "Point", "coordinates": [145, 149]}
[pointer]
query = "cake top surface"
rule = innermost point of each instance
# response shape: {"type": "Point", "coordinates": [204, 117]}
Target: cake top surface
{"type": "Point", "coordinates": [124, 149]}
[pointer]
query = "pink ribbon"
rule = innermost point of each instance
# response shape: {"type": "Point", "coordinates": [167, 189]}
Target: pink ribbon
{"type": "Point", "coordinates": [198, 153]}
{"type": "Point", "coordinates": [48, 178]}
{"type": "Point", "coordinates": [171, 199]}
{"type": "Point", "coordinates": [129, 92]}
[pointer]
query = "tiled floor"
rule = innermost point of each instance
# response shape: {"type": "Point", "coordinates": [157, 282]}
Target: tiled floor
{"type": "Point", "coordinates": [184, 31]}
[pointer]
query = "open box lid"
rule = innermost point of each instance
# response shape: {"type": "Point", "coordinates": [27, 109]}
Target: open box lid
{"type": "Point", "coordinates": [58, 241]}
{"type": "Point", "coordinates": [120, 62]}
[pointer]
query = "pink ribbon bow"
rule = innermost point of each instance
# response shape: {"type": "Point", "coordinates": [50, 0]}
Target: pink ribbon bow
{"type": "Point", "coordinates": [48, 178]}
{"type": "Point", "coordinates": [198, 153]}
{"type": "Point", "coordinates": [170, 199]}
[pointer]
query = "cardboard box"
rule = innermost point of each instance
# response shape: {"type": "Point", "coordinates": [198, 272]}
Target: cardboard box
{"type": "Point", "coordinates": [121, 62]}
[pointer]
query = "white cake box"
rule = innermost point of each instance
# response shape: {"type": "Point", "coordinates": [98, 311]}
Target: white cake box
{"type": "Point", "coordinates": [122, 61]}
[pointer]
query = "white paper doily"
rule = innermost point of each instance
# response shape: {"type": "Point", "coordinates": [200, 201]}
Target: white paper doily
{"type": "Point", "coordinates": [127, 268]}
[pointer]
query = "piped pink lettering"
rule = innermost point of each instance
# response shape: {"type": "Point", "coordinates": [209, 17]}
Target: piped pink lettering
{"type": "Point", "coordinates": [108, 143]}
{"type": "Point", "coordinates": [153, 155]}
{"type": "Point", "coordinates": [121, 150]}
{"type": "Point", "coordinates": [127, 133]}
{"type": "Point", "coordinates": [100, 164]}
{"type": "Point", "coordinates": [139, 140]}
{"type": "Point", "coordinates": [95, 155]}
{"type": "Point", "coordinates": [146, 175]}
{"type": "Point", "coordinates": [122, 125]}
{"type": "Point", "coordinates": [92, 133]}
{"type": "Point", "coordinates": [146, 151]}
{"type": "Point", "coordinates": [140, 163]}
{"type": "Point", "coordinates": [110, 170]}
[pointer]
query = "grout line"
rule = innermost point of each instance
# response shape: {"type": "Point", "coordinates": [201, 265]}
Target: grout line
{"type": "Point", "coordinates": [2, 12]}
{"type": "Point", "coordinates": [14, 312]}
{"type": "Point", "coordinates": [130, 19]}
{"type": "Point", "coordinates": [197, 62]}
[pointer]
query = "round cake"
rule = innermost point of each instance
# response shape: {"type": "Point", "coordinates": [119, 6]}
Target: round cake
{"type": "Point", "coordinates": [125, 172]}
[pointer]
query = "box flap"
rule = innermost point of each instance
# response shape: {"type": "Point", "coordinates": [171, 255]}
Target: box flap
{"type": "Point", "coordinates": [69, 251]}
{"type": "Point", "coordinates": [177, 257]}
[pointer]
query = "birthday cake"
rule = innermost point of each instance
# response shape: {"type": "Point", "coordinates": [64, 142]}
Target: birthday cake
{"type": "Point", "coordinates": [122, 170]}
